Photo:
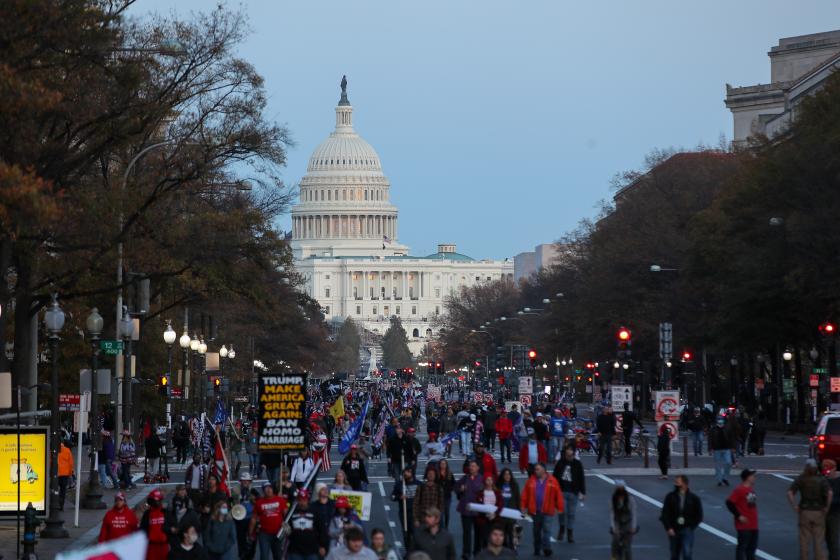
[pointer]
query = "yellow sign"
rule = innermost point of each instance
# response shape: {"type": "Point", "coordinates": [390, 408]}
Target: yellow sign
{"type": "Point", "coordinates": [359, 501]}
{"type": "Point", "coordinates": [30, 474]}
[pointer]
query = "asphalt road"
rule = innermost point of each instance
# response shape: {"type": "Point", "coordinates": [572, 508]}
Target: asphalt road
{"type": "Point", "coordinates": [778, 539]}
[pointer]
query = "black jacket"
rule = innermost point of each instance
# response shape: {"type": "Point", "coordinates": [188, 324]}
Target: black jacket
{"type": "Point", "coordinates": [605, 424]}
{"type": "Point", "coordinates": [692, 511]}
{"type": "Point", "coordinates": [719, 438]}
{"type": "Point", "coordinates": [578, 482]}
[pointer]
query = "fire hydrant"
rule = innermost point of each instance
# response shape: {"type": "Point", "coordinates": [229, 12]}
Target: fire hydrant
{"type": "Point", "coordinates": [31, 523]}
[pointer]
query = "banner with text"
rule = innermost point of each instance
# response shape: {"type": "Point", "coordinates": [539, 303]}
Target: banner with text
{"type": "Point", "coordinates": [282, 408]}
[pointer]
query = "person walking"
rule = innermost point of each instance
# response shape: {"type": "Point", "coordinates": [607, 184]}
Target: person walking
{"type": "Point", "coordinates": [302, 468]}
{"type": "Point", "coordinates": [832, 519]}
{"type": "Point", "coordinates": [354, 467]}
{"type": "Point", "coordinates": [269, 512]}
{"type": "Point", "coordinates": [220, 534]}
{"type": "Point", "coordinates": [188, 547]}
{"type": "Point", "coordinates": [742, 504]}
{"type": "Point", "coordinates": [628, 418]}
{"type": "Point", "coordinates": [605, 425]}
{"type": "Point", "coordinates": [448, 424]}
{"type": "Point", "coordinates": [253, 451]}
{"type": "Point", "coordinates": [65, 473]}
{"type": "Point", "coordinates": [489, 421]}
{"type": "Point", "coordinates": [697, 426]}
{"type": "Point", "coordinates": [542, 500]}
{"type": "Point", "coordinates": [815, 497]}
{"type": "Point", "coordinates": [307, 539]}
{"type": "Point", "coordinates": [106, 461]}
{"type": "Point", "coordinates": [504, 430]}
{"type": "Point", "coordinates": [467, 490]}
{"type": "Point", "coordinates": [663, 451]}
{"type": "Point", "coordinates": [432, 538]}
{"type": "Point", "coordinates": [119, 521]}
{"type": "Point", "coordinates": [722, 446]}
{"type": "Point", "coordinates": [509, 489]}
{"type": "Point", "coordinates": [429, 494]}
{"type": "Point", "coordinates": [623, 524]}
{"type": "Point", "coordinates": [531, 452]}
{"type": "Point", "coordinates": [681, 513]}
{"type": "Point", "coordinates": [447, 482]}
{"type": "Point", "coordinates": [405, 491]}
{"type": "Point", "coordinates": [557, 429]}
{"type": "Point", "coordinates": [496, 548]}
{"type": "Point", "coordinates": [569, 473]}
{"type": "Point", "coordinates": [378, 545]}
{"type": "Point", "coordinates": [156, 524]}
{"type": "Point", "coordinates": [127, 456]}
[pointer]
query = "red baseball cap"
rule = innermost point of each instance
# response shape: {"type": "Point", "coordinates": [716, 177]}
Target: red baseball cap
{"type": "Point", "coordinates": [156, 494]}
{"type": "Point", "coordinates": [342, 502]}
{"type": "Point", "coordinates": [303, 494]}
{"type": "Point", "coordinates": [354, 446]}
{"type": "Point", "coordinates": [411, 430]}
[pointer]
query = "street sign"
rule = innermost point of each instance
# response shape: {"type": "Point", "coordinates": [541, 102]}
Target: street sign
{"type": "Point", "coordinates": [787, 386]}
{"type": "Point", "coordinates": [667, 405]}
{"type": "Point", "coordinates": [526, 385]}
{"type": "Point", "coordinates": [620, 394]}
{"type": "Point", "coordinates": [673, 426]}
{"type": "Point", "coordinates": [814, 380]}
{"type": "Point", "coordinates": [68, 402]}
{"type": "Point", "coordinates": [525, 400]}
{"type": "Point", "coordinates": [176, 392]}
{"type": "Point", "coordinates": [241, 399]}
{"type": "Point", "coordinates": [835, 384]}
{"type": "Point", "coordinates": [820, 370]}
{"type": "Point", "coordinates": [478, 397]}
{"type": "Point", "coordinates": [111, 347]}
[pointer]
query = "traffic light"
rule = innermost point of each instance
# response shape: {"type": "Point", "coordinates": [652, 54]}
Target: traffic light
{"type": "Point", "coordinates": [687, 356]}
{"type": "Point", "coordinates": [163, 386]}
{"type": "Point", "coordinates": [828, 329]}
{"type": "Point", "coordinates": [430, 368]}
{"type": "Point", "coordinates": [625, 340]}
{"type": "Point", "coordinates": [532, 356]}
{"type": "Point", "coordinates": [217, 385]}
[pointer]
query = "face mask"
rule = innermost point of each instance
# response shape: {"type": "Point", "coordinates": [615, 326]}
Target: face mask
{"type": "Point", "coordinates": [223, 511]}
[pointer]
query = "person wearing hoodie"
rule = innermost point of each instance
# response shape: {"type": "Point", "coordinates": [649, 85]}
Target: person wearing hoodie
{"type": "Point", "coordinates": [156, 524]}
{"type": "Point", "coordinates": [353, 548]}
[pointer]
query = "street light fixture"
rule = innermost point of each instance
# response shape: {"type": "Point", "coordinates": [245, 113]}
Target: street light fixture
{"type": "Point", "coordinates": [223, 351]}
{"type": "Point", "coordinates": [202, 347]}
{"type": "Point", "coordinates": [127, 332]}
{"type": "Point", "coordinates": [54, 322]}
{"type": "Point", "coordinates": [93, 495]}
{"type": "Point", "coordinates": [194, 343]}
{"type": "Point", "coordinates": [787, 355]}
{"type": "Point", "coordinates": [169, 336]}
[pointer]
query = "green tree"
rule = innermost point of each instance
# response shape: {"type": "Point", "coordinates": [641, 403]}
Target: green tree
{"type": "Point", "coordinates": [395, 352]}
{"type": "Point", "coordinates": [347, 345]}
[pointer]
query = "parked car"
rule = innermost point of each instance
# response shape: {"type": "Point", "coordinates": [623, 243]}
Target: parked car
{"type": "Point", "coordinates": [825, 443]}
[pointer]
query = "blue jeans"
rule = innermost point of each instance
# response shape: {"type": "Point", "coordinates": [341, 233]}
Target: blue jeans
{"type": "Point", "coordinates": [555, 444]}
{"type": "Point", "coordinates": [723, 464]}
{"type": "Point", "coordinates": [542, 531]}
{"type": "Point", "coordinates": [567, 518]}
{"type": "Point", "coordinates": [106, 473]}
{"type": "Point", "coordinates": [697, 438]}
{"type": "Point", "coordinates": [269, 546]}
{"type": "Point", "coordinates": [254, 465]}
{"type": "Point", "coordinates": [682, 543]}
{"type": "Point", "coordinates": [466, 443]}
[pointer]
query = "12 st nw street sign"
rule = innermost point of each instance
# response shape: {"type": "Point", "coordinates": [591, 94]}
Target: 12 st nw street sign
{"type": "Point", "coordinates": [111, 347]}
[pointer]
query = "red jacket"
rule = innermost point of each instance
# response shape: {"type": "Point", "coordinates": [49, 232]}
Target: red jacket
{"type": "Point", "coordinates": [524, 460]}
{"type": "Point", "coordinates": [552, 496]}
{"type": "Point", "coordinates": [504, 428]}
{"type": "Point", "coordinates": [117, 523]}
{"type": "Point", "coordinates": [486, 466]}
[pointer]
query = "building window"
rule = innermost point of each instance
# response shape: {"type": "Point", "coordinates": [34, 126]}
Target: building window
{"type": "Point", "coordinates": [428, 333]}
{"type": "Point", "coordinates": [326, 276]}
{"type": "Point", "coordinates": [358, 310]}
{"type": "Point", "coordinates": [437, 310]}
{"type": "Point", "coordinates": [387, 311]}
{"type": "Point", "coordinates": [414, 310]}
{"type": "Point", "coordinates": [374, 310]}
{"type": "Point", "coordinates": [326, 292]}
{"type": "Point", "coordinates": [355, 292]}
{"type": "Point", "coordinates": [488, 278]}
{"type": "Point", "coordinates": [437, 292]}
{"type": "Point", "coordinates": [397, 310]}
{"type": "Point", "coordinates": [329, 195]}
{"type": "Point", "coordinates": [327, 310]}
{"type": "Point", "coordinates": [415, 333]}
{"type": "Point", "coordinates": [478, 278]}
{"type": "Point", "coordinates": [343, 194]}
{"type": "Point", "coordinates": [371, 293]}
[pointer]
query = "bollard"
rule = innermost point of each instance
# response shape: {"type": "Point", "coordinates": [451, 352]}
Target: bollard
{"type": "Point", "coordinates": [647, 459]}
{"type": "Point", "coordinates": [685, 452]}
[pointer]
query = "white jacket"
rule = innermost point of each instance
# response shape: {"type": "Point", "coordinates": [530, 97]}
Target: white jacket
{"type": "Point", "coordinates": [302, 469]}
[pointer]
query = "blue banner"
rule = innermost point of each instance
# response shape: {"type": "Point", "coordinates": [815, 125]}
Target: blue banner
{"type": "Point", "coordinates": [353, 431]}
{"type": "Point", "coordinates": [449, 437]}
{"type": "Point", "coordinates": [221, 414]}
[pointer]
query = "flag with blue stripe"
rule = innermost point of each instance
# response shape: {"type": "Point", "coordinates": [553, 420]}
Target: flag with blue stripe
{"type": "Point", "coordinates": [353, 431]}
{"type": "Point", "coordinates": [221, 414]}
{"type": "Point", "coordinates": [449, 437]}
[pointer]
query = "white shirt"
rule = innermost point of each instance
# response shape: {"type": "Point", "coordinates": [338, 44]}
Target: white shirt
{"type": "Point", "coordinates": [301, 469]}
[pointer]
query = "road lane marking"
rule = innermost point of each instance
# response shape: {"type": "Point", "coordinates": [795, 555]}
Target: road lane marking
{"type": "Point", "coordinates": [705, 526]}
{"type": "Point", "coordinates": [391, 524]}
{"type": "Point", "coordinates": [783, 477]}
{"type": "Point", "coordinates": [387, 507]}
{"type": "Point", "coordinates": [381, 489]}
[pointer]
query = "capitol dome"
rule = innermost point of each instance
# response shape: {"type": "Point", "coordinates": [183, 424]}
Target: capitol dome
{"type": "Point", "coordinates": [344, 204]}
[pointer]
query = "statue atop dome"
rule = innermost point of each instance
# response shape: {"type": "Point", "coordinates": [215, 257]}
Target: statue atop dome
{"type": "Point", "coordinates": [344, 100]}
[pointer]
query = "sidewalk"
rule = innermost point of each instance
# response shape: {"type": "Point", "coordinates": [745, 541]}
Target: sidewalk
{"type": "Point", "coordinates": [84, 535]}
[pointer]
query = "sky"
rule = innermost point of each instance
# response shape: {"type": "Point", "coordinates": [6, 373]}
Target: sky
{"type": "Point", "coordinates": [500, 124]}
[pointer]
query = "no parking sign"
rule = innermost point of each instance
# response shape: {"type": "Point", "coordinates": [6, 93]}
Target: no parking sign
{"type": "Point", "coordinates": [525, 400]}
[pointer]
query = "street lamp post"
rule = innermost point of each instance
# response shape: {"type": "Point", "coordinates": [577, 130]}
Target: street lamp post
{"type": "Point", "coordinates": [787, 356]}
{"type": "Point", "coordinates": [184, 342]}
{"type": "Point", "coordinates": [93, 496]}
{"type": "Point", "coordinates": [54, 322]}
{"type": "Point", "coordinates": [169, 336]}
{"type": "Point", "coordinates": [202, 351]}
{"type": "Point", "coordinates": [127, 331]}
{"type": "Point", "coordinates": [194, 344]}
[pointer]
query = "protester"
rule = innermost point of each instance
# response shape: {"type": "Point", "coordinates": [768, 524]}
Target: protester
{"type": "Point", "coordinates": [244, 496]}
{"type": "Point", "coordinates": [542, 500]}
{"type": "Point", "coordinates": [504, 429]}
{"type": "Point", "coordinates": [742, 504]}
{"type": "Point", "coordinates": [307, 540]}
{"type": "Point", "coordinates": [489, 422]}
{"type": "Point", "coordinates": [467, 490]}
{"type": "Point", "coordinates": [65, 472]}
{"type": "Point", "coordinates": [181, 513]}
{"type": "Point", "coordinates": [722, 448]}
{"type": "Point", "coordinates": [448, 424]}
{"type": "Point", "coordinates": [353, 547]}
{"type": "Point", "coordinates": [156, 524]}
{"type": "Point", "coordinates": [252, 448]}
{"type": "Point", "coordinates": [343, 519]}
{"type": "Point", "coordinates": [195, 479]}
{"type": "Point", "coordinates": [623, 524]}
{"type": "Point", "coordinates": [302, 468]}
{"type": "Point", "coordinates": [433, 450]}
{"type": "Point", "coordinates": [832, 520]}
{"type": "Point", "coordinates": [815, 497]}
{"type": "Point", "coordinates": [605, 425]}
{"type": "Point", "coordinates": [509, 489]}
{"type": "Point", "coordinates": [432, 539]}
{"type": "Point", "coordinates": [682, 513]}
{"type": "Point", "coordinates": [557, 434]}
{"type": "Point", "coordinates": [663, 451]}
{"type": "Point", "coordinates": [269, 512]}
{"type": "Point", "coordinates": [119, 521]}
{"type": "Point", "coordinates": [220, 535]}
{"type": "Point", "coordinates": [404, 494]}
{"type": "Point", "coordinates": [127, 456]}
{"type": "Point", "coordinates": [323, 508]}
{"type": "Point", "coordinates": [340, 481]}
{"type": "Point", "coordinates": [429, 494]}
{"type": "Point", "coordinates": [447, 482]}
{"type": "Point", "coordinates": [106, 457]}
{"type": "Point", "coordinates": [188, 548]}
{"type": "Point", "coordinates": [531, 452]}
{"type": "Point", "coordinates": [354, 467]}
{"type": "Point", "coordinates": [152, 446]}
{"type": "Point", "coordinates": [569, 473]}
{"type": "Point", "coordinates": [489, 496]}
{"type": "Point", "coordinates": [496, 548]}
{"type": "Point", "coordinates": [382, 549]}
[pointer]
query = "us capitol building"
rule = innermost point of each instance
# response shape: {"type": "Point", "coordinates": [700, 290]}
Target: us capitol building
{"type": "Point", "coordinates": [345, 243]}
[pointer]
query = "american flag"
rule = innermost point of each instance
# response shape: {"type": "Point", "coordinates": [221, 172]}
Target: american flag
{"type": "Point", "coordinates": [321, 451]}
{"type": "Point", "coordinates": [220, 464]}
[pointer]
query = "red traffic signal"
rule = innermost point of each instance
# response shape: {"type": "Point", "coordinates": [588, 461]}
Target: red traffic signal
{"type": "Point", "coordinates": [532, 354]}
{"type": "Point", "coordinates": [828, 328]}
{"type": "Point", "coordinates": [623, 334]}
{"type": "Point", "coordinates": [687, 356]}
